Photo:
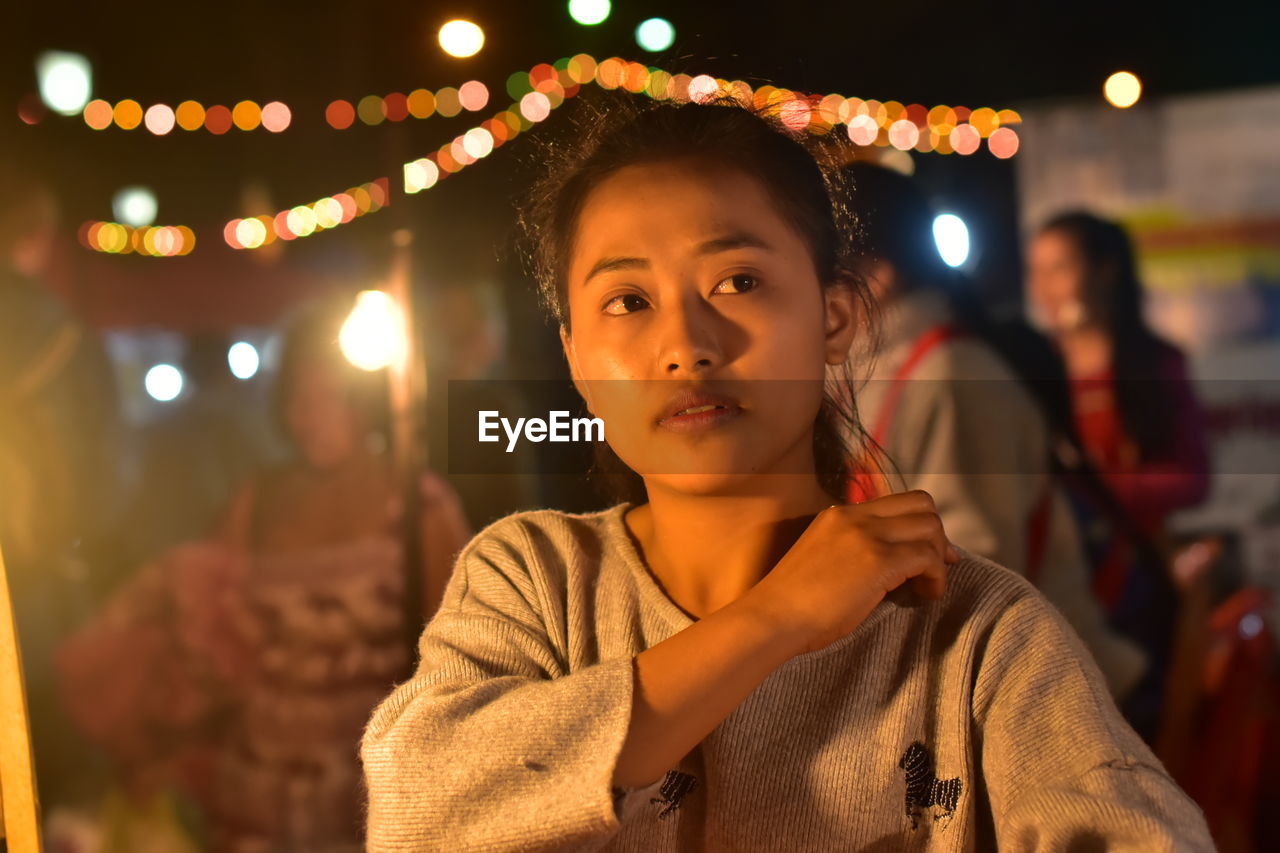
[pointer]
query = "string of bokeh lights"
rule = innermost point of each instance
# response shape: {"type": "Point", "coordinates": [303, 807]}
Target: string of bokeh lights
{"type": "Point", "coordinates": [156, 241]}
{"type": "Point", "coordinates": [546, 86]}
{"type": "Point", "coordinates": [942, 129]}
{"type": "Point", "coordinates": [254, 232]}
{"type": "Point", "coordinates": [536, 93]}
{"type": "Point", "coordinates": [276, 117]}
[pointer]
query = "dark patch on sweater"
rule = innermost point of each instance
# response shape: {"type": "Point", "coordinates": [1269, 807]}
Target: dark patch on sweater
{"type": "Point", "coordinates": [675, 787]}
{"type": "Point", "coordinates": [924, 789]}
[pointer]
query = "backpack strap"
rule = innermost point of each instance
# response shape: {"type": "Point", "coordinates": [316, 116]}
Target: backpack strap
{"type": "Point", "coordinates": [863, 484]}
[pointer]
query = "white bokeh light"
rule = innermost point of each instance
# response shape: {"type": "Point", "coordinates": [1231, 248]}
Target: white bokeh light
{"type": "Point", "coordinates": [243, 359]}
{"type": "Point", "coordinates": [952, 237]}
{"type": "Point", "coordinates": [66, 81]}
{"type": "Point", "coordinates": [373, 335]}
{"type": "Point", "coordinates": [135, 206]}
{"type": "Point", "coordinates": [589, 12]}
{"type": "Point", "coordinates": [163, 382]}
{"type": "Point", "coordinates": [461, 38]}
{"type": "Point", "coordinates": [655, 34]}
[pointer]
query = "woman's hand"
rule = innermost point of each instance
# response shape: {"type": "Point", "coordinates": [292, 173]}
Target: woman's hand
{"type": "Point", "coordinates": [848, 559]}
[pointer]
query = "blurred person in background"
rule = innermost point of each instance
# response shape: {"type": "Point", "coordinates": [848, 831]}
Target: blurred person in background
{"type": "Point", "coordinates": [1132, 402]}
{"type": "Point", "coordinates": [59, 473]}
{"type": "Point", "coordinates": [1126, 406]}
{"type": "Point", "coordinates": [952, 418]}
{"type": "Point", "coordinates": [243, 669]}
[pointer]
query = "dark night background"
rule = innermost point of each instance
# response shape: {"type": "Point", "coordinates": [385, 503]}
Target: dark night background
{"type": "Point", "coordinates": [306, 54]}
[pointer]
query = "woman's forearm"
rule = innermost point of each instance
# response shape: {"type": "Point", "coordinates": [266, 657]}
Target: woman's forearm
{"type": "Point", "coordinates": [686, 685]}
{"type": "Point", "coordinates": [827, 583]}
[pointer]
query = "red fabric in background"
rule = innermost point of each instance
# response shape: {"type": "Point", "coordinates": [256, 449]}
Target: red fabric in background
{"type": "Point", "coordinates": [1150, 485]}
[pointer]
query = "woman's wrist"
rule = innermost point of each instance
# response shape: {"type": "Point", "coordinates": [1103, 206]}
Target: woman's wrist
{"type": "Point", "coordinates": [789, 634]}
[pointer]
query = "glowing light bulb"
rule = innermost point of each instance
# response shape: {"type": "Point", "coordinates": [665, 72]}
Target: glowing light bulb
{"type": "Point", "coordinates": [589, 12]}
{"type": "Point", "coordinates": [461, 38]}
{"type": "Point", "coordinates": [66, 81]}
{"type": "Point", "coordinates": [1122, 89]}
{"type": "Point", "coordinates": [373, 335]}
{"type": "Point", "coordinates": [134, 206]}
{"type": "Point", "coordinates": [163, 382]}
{"type": "Point", "coordinates": [243, 359]}
{"type": "Point", "coordinates": [655, 34]}
{"type": "Point", "coordinates": [952, 237]}
{"type": "Point", "coordinates": [159, 119]}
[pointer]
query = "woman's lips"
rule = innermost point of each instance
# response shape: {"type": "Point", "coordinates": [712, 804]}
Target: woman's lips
{"type": "Point", "coordinates": [698, 422]}
{"type": "Point", "coordinates": [693, 413]}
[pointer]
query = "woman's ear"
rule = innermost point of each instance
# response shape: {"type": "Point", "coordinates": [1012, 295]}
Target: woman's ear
{"type": "Point", "coordinates": [840, 320]}
{"type": "Point", "coordinates": [575, 372]}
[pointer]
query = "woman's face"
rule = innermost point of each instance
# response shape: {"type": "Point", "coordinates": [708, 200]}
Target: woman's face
{"type": "Point", "coordinates": [700, 332]}
{"type": "Point", "coordinates": [321, 422]}
{"type": "Point", "coordinates": [1057, 275]}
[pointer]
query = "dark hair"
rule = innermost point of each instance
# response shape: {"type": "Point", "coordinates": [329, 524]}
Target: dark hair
{"type": "Point", "coordinates": [1140, 357]}
{"type": "Point", "coordinates": [311, 342]}
{"type": "Point", "coordinates": [799, 173]}
{"type": "Point", "coordinates": [895, 224]}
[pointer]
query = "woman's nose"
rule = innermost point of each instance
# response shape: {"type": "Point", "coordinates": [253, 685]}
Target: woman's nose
{"type": "Point", "coordinates": [690, 343]}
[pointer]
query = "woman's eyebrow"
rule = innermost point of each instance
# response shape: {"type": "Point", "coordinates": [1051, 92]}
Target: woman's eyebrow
{"type": "Point", "coordinates": [613, 264]}
{"type": "Point", "coordinates": [725, 243]}
{"type": "Point", "coordinates": [735, 240]}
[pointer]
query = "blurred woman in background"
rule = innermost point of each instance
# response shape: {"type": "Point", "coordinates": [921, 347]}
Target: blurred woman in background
{"type": "Point", "coordinates": [1134, 409]}
{"type": "Point", "coordinates": [1129, 408]}
{"type": "Point", "coordinates": [259, 656]}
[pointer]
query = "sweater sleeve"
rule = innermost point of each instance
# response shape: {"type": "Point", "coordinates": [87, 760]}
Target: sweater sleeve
{"type": "Point", "coordinates": [493, 744]}
{"type": "Point", "coordinates": [1062, 769]}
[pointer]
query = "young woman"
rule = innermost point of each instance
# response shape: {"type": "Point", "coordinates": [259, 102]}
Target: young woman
{"type": "Point", "coordinates": [739, 662]}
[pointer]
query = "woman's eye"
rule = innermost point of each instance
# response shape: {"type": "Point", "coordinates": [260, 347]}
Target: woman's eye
{"type": "Point", "coordinates": [626, 303]}
{"type": "Point", "coordinates": [740, 283]}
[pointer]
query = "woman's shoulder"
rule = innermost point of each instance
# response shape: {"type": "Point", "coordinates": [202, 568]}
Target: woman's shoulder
{"type": "Point", "coordinates": [1007, 624]}
{"type": "Point", "coordinates": [982, 594]}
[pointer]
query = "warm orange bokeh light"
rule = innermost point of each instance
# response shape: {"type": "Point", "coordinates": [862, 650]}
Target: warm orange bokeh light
{"type": "Point", "coordinates": [422, 103]}
{"type": "Point", "coordinates": [247, 115]}
{"type": "Point", "coordinates": [127, 114]}
{"type": "Point", "coordinates": [190, 115]}
{"type": "Point", "coordinates": [340, 115]}
{"type": "Point", "coordinates": [217, 119]}
{"type": "Point", "coordinates": [98, 114]}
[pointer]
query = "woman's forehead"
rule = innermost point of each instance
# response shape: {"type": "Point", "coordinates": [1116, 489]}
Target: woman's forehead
{"type": "Point", "coordinates": [675, 206]}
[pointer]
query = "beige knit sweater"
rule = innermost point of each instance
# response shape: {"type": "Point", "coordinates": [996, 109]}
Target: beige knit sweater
{"type": "Point", "coordinates": [970, 723]}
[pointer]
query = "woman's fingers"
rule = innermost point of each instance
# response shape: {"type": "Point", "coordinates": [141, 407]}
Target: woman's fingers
{"type": "Point", "coordinates": [916, 526]}
{"type": "Point", "coordinates": [917, 504]}
{"type": "Point", "coordinates": [901, 503]}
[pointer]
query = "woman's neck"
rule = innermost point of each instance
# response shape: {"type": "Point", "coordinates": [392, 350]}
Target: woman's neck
{"type": "Point", "coordinates": [708, 551]}
{"type": "Point", "coordinates": [1086, 351]}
